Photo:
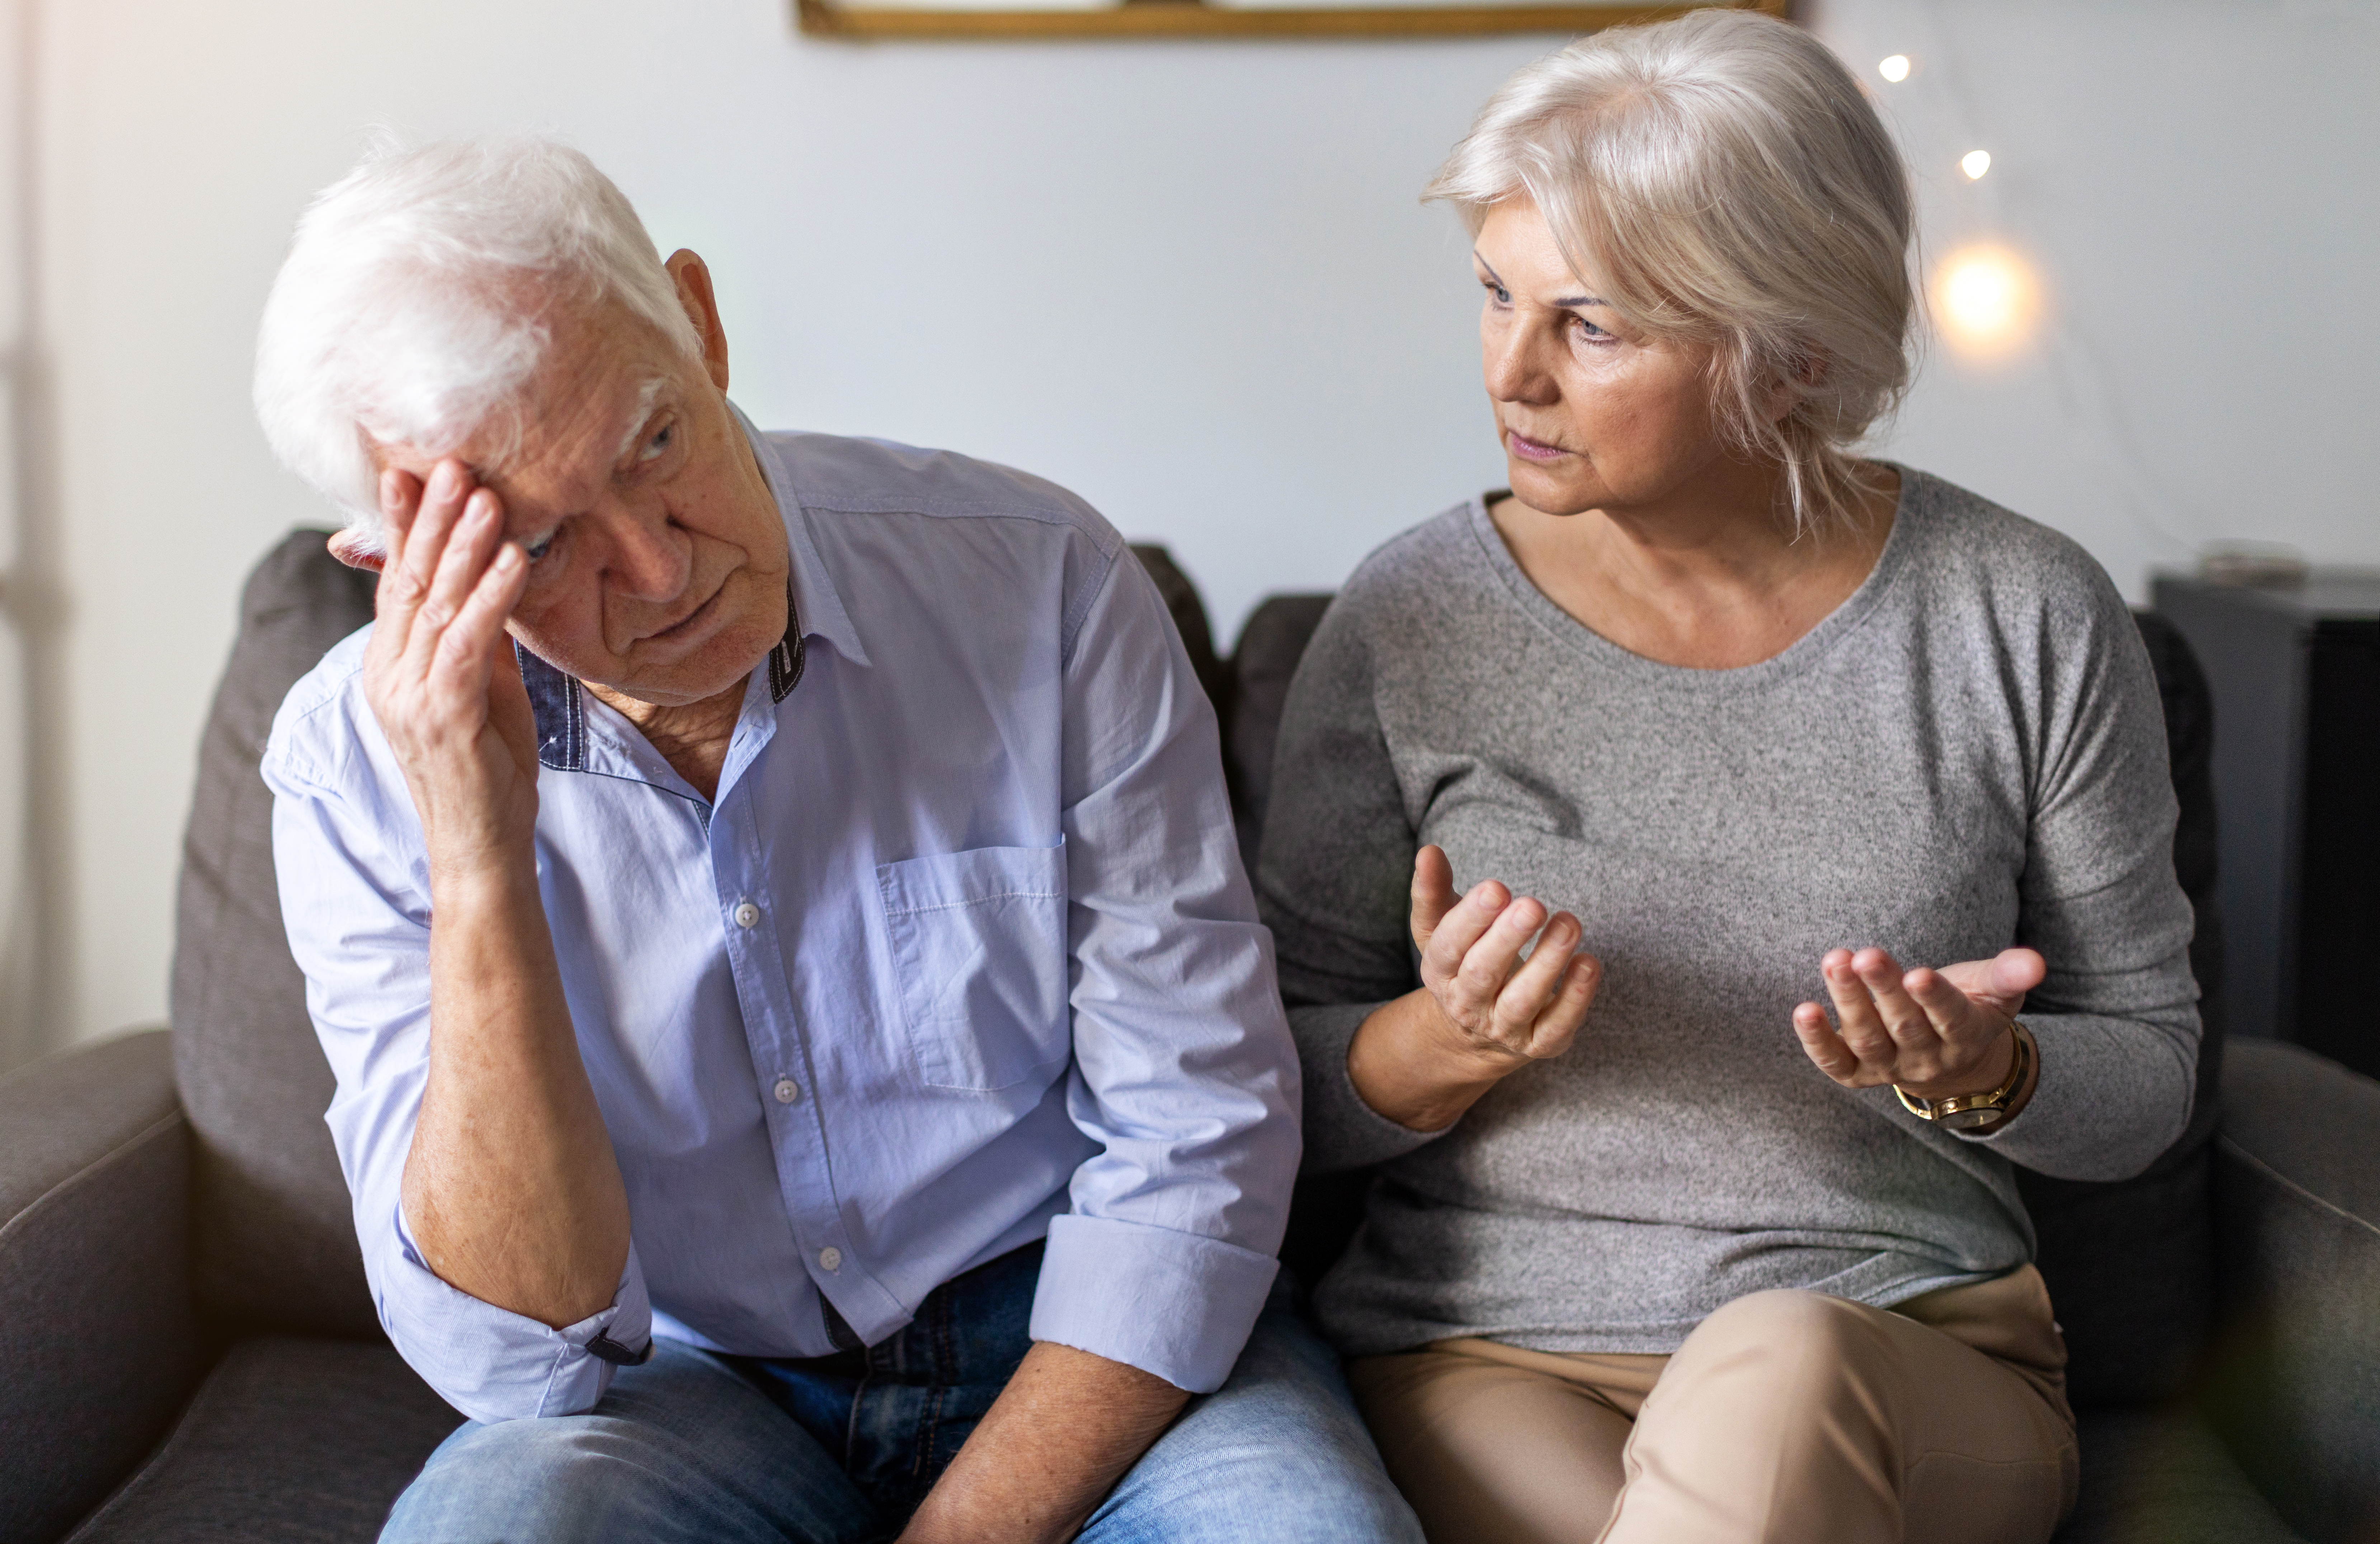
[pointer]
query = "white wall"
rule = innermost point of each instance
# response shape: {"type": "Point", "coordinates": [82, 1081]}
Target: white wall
{"type": "Point", "coordinates": [1189, 280]}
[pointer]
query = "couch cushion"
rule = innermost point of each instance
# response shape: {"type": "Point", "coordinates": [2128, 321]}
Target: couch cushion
{"type": "Point", "coordinates": [2295, 1387]}
{"type": "Point", "coordinates": [289, 1441]}
{"type": "Point", "coordinates": [275, 1244]}
{"type": "Point", "coordinates": [2156, 1474]}
{"type": "Point", "coordinates": [95, 1326]}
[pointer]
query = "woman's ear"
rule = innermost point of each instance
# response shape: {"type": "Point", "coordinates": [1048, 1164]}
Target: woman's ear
{"type": "Point", "coordinates": [1802, 377]}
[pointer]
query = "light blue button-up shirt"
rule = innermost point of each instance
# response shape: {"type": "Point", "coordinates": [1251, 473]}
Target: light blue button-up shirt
{"type": "Point", "coordinates": [960, 957]}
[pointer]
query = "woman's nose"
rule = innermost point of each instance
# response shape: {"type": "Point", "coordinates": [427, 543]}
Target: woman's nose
{"type": "Point", "coordinates": [1512, 369]}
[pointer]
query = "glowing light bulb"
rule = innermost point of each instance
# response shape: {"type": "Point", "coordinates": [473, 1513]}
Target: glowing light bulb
{"type": "Point", "coordinates": [1975, 163]}
{"type": "Point", "coordinates": [1986, 299]}
{"type": "Point", "coordinates": [1895, 69]}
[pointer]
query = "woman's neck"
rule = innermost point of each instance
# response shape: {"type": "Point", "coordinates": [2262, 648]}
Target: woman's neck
{"type": "Point", "coordinates": [1711, 583]}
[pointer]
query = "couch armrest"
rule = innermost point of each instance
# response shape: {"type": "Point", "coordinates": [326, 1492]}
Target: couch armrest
{"type": "Point", "coordinates": [2296, 1380]}
{"type": "Point", "coordinates": [99, 1346]}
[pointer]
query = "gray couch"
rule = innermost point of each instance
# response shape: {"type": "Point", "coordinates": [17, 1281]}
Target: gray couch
{"type": "Point", "coordinates": [192, 1354]}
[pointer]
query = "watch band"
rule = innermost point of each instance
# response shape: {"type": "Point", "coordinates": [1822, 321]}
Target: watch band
{"type": "Point", "coordinates": [1967, 1112]}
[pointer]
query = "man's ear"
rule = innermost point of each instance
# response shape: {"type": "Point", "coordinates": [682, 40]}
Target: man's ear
{"type": "Point", "coordinates": [693, 279]}
{"type": "Point", "coordinates": [358, 548]}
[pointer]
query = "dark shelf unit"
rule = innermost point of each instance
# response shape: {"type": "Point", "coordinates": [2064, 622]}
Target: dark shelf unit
{"type": "Point", "coordinates": [2295, 672]}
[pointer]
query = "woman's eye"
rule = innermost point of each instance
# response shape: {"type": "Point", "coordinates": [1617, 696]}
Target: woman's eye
{"type": "Point", "coordinates": [1504, 296]}
{"type": "Point", "coordinates": [543, 545]}
{"type": "Point", "coordinates": [1589, 331]}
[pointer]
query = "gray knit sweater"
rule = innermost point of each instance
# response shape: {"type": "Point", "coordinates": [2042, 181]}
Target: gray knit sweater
{"type": "Point", "coordinates": [1968, 754]}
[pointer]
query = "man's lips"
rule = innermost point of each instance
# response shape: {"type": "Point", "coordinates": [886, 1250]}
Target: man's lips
{"type": "Point", "coordinates": [690, 624]}
{"type": "Point", "coordinates": [1527, 449]}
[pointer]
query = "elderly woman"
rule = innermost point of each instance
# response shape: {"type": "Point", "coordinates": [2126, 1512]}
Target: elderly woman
{"type": "Point", "coordinates": [1702, 719]}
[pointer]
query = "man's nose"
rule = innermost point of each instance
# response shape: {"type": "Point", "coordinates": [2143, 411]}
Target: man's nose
{"type": "Point", "coordinates": [650, 556]}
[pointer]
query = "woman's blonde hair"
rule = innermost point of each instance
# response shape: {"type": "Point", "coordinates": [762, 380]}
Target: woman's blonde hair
{"type": "Point", "coordinates": [1724, 180]}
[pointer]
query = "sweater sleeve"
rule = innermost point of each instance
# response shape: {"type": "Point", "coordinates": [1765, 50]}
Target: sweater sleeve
{"type": "Point", "coordinates": [1333, 882]}
{"type": "Point", "coordinates": [2116, 1016]}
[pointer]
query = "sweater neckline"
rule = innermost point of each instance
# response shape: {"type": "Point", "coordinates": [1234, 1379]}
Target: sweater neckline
{"type": "Point", "coordinates": [1804, 651]}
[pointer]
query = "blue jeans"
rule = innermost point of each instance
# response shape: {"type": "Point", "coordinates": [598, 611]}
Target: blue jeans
{"type": "Point", "coordinates": [840, 1450]}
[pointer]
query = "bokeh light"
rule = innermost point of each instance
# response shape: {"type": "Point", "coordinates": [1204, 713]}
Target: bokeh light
{"type": "Point", "coordinates": [1986, 301]}
{"type": "Point", "coordinates": [1975, 163]}
{"type": "Point", "coordinates": [1895, 68]}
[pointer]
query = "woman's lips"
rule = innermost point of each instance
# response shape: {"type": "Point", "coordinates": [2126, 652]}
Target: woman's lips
{"type": "Point", "coordinates": [1527, 449]}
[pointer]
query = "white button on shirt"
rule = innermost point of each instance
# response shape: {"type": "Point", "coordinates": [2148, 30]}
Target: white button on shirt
{"type": "Point", "coordinates": [1009, 943]}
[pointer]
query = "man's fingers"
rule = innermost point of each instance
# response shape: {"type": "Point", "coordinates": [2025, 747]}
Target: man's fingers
{"type": "Point", "coordinates": [1433, 893]}
{"type": "Point", "coordinates": [424, 536]}
{"type": "Point", "coordinates": [469, 545]}
{"type": "Point", "coordinates": [467, 646]}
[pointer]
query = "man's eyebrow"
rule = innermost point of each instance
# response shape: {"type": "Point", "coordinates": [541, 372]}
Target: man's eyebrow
{"type": "Point", "coordinates": [1565, 303]}
{"type": "Point", "coordinates": [647, 395]}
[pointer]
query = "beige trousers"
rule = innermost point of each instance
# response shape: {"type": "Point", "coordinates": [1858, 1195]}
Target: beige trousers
{"type": "Point", "coordinates": [1786, 1416]}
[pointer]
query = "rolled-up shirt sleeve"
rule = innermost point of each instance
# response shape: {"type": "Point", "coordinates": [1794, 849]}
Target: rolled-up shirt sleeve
{"type": "Point", "coordinates": [358, 914]}
{"type": "Point", "coordinates": [1184, 1072]}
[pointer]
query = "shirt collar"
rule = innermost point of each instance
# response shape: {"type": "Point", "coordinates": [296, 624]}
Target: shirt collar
{"type": "Point", "coordinates": [814, 592]}
{"type": "Point", "coordinates": [559, 702]}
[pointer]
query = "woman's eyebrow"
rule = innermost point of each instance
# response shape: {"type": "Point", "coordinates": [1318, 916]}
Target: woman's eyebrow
{"type": "Point", "coordinates": [1563, 304]}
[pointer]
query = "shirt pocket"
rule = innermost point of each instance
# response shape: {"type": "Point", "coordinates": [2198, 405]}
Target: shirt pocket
{"type": "Point", "coordinates": [979, 948]}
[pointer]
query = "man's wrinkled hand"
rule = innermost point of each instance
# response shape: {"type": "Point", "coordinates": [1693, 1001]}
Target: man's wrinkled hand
{"type": "Point", "coordinates": [439, 671]}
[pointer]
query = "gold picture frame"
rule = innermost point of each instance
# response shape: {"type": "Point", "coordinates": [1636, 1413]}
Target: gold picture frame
{"type": "Point", "coordinates": [941, 20]}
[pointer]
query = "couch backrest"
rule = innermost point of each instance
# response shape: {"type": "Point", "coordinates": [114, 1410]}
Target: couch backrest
{"type": "Point", "coordinates": [2129, 1264]}
{"type": "Point", "coordinates": [274, 1239]}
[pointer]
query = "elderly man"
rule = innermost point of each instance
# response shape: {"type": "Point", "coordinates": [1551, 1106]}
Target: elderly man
{"type": "Point", "coordinates": [808, 1066]}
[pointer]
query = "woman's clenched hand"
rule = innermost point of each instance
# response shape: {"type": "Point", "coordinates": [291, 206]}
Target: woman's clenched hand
{"type": "Point", "coordinates": [439, 671]}
{"type": "Point", "coordinates": [1484, 1011]}
{"type": "Point", "coordinates": [1938, 1034]}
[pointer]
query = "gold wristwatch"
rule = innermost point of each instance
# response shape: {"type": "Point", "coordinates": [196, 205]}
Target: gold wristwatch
{"type": "Point", "coordinates": [1967, 1112]}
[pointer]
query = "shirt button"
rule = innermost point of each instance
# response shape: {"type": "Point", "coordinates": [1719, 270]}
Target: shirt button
{"type": "Point", "coordinates": [746, 915]}
{"type": "Point", "coordinates": [787, 1090]}
{"type": "Point", "coordinates": [831, 1257]}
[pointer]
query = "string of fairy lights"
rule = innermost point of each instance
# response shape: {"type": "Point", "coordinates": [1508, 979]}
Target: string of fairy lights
{"type": "Point", "coordinates": [1989, 307]}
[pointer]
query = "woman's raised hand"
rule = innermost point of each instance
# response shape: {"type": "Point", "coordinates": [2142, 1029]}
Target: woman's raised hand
{"type": "Point", "coordinates": [1483, 1011]}
{"type": "Point", "coordinates": [439, 671]}
{"type": "Point", "coordinates": [1937, 1033]}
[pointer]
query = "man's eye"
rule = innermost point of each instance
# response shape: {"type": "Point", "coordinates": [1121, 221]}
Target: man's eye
{"type": "Point", "coordinates": [658, 443]}
{"type": "Point", "coordinates": [543, 545]}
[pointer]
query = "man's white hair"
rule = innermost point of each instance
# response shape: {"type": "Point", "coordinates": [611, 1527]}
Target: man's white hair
{"type": "Point", "coordinates": [420, 292]}
{"type": "Point", "coordinates": [1724, 180]}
